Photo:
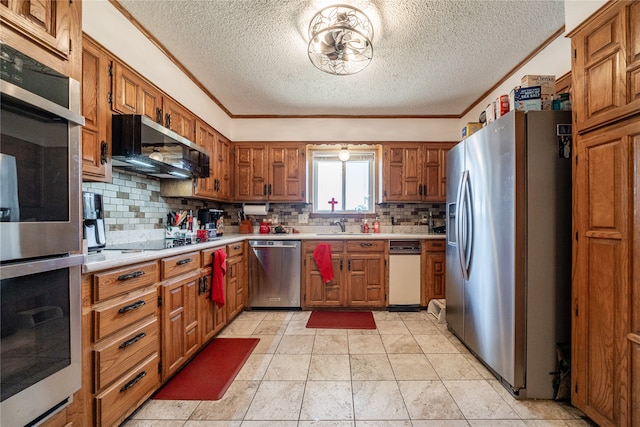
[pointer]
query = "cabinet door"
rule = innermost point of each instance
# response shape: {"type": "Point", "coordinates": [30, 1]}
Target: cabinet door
{"type": "Point", "coordinates": [235, 295]}
{"type": "Point", "coordinates": [287, 173]}
{"type": "Point", "coordinates": [206, 138]}
{"type": "Point", "coordinates": [212, 318]}
{"type": "Point", "coordinates": [251, 172]}
{"type": "Point", "coordinates": [434, 268]}
{"type": "Point", "coordinates": [402, 173]}
{"type": "Point", "coordinates": [133, 95]}
{"type": "Point", "coordinates": [604, 327]}
{"type": "Point", "coordinates": [366, 280]}
{"type": "Point", "coordinates": [96, 84]}
{"type": "Point", "coordinates": [434, 188]}
{"type": "Point", "coordinates": [606, 66]}
{"type": "Point", "coordinates": [178, 119]}
{"type": "Point", "coordinates": [318, 293]}
{"type": "Point", "coordinates": [180, 322]}
{"type": "Point", "coordinates": [222, 168]}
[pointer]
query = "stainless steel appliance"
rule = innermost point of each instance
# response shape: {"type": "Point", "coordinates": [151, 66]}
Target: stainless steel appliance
{"type": "Point", "coordinates": [93, 221]}
{"type": "Point", "coordinates": [144, 146]}
{"type": "Point", "coordinates": [404, 275]}
{"type": "Point", "coordinates": [40, 354]}
{"type": "Point", "coordinates": [274, 274]}
{"type": "Point", "coordinates": [212, 220]}
{"type": "Point", "coordinates": [508, 255]}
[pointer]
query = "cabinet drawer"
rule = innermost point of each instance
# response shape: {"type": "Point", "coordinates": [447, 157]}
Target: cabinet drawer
{"type": "Point", "coordinates": [123, 352]}
{"type": "Point", "coordinates": [123, 313]}
{"type": "Point", "coordinates": [435, 245]}
{"type": "Point", "coordinates": [127, 394]}
{"type": "Point", "coordinates": [183, 263]}
{"type": "Point", "coordinates": [235, 249]}
{"type": "Point", "coordinates": [207, 256]}
{"type": "Point", "coordinates": [116, 282]}
{"type": "Point", "coordinates": [366, 245]}
{"type": "Point", "coordinates": [336, 245]}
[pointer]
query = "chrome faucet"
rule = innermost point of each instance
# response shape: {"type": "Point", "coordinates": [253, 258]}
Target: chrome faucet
{"type": "Point", "coordinates": [339, 222]}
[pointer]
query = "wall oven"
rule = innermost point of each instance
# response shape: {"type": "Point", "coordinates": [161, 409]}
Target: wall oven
{"type": "Point", "coordinates": [40, 264]}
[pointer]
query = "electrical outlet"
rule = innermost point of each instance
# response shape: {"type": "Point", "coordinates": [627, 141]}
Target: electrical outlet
{"type": "Point", "coordinates": [303, 218]}
{"type": "Point", "coordinates": [274, 219]}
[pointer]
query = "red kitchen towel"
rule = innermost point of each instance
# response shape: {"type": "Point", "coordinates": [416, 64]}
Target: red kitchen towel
{"type": "Point", "coordinates": [322, 255]}
{"type": "Point", "coordinates": [219, 270]}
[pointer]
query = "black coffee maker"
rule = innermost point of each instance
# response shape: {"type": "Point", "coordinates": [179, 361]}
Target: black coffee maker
{"type": "Point", "coordinates": [212, 221]}
{"type": "Point", "coordinates": [93, 221]}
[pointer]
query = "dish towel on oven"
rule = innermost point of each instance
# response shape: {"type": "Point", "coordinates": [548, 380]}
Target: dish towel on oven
{"type": "Point", "coordinates": [219, 270]}
{"type": "Point", "coordinates": [322, 256]}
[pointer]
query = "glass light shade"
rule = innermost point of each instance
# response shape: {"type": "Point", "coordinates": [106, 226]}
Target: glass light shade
{"type": "Point", "coordinates": [340, 40]}
{"type": "Point", "coordinates": [344, 154]}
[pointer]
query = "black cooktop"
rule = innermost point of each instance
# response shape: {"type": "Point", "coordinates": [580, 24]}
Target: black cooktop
{"type": "Point", "coordinates": [152, 245]}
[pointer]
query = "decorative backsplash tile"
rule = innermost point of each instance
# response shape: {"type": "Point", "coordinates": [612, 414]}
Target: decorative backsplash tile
{"type": "Point", "coordinates": [135, 210]}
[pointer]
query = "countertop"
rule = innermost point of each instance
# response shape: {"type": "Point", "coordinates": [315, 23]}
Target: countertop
{"type": "Point", "coordinates": [108, 259]}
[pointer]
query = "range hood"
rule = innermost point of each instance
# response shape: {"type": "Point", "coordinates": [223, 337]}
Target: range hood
{"type": "Point", "coordinates": [141, 145]}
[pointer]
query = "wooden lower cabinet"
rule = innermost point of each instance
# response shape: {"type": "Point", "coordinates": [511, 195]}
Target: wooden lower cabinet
{"type": "Point", "coordinates": [212, 318]}
{"type": "Point", "coordinates": [236, 287]}
{"type": "Point", "coordinates": [434, 271]}
{"type": "Point", "coordinates": [360, 275]}
{"type": "Point", "coordinates": [180, 327]}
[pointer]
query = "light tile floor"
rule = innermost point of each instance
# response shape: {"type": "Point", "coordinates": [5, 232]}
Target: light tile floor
{"type": "Point", "coordinates": [410, 371]}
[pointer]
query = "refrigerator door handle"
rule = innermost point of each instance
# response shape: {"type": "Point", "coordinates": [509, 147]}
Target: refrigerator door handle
{"type": "Point", "coordinates": [461, 224]}
{"type": "Point", "coordinates": [468, 226]}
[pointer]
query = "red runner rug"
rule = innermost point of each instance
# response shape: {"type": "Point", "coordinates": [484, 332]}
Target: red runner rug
{"type": "Point", "coordinates": [341, 320]}
{"type": "Point", "coordinates": [211, 372]}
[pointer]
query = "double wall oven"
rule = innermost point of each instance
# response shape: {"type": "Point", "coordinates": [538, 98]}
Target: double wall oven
{"type": "Point", "coordinates": [40, 260]}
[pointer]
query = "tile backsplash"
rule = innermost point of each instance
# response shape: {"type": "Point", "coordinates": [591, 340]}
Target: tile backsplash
{"type": "Point", "coordinates": [135, 210]}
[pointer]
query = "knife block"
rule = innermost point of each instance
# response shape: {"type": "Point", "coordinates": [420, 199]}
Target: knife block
{"type": "Point", "coordinates": [246, 227]}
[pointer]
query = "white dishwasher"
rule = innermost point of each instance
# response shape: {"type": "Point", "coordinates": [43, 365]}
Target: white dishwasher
{"type": "Point", "coordinates": [404, 275]}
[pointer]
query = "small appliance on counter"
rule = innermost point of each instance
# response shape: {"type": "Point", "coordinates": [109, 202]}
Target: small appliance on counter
{"type": "Point", "coordinates": [93, 221]}
{"type": "Point", "coordinates": [211, 220]}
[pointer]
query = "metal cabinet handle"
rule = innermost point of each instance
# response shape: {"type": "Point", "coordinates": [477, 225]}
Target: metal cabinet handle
{"type": "Point", "coordinates": [183, 261]}
{"type": "Point", "coordinates": [420, 190]}
{"type": "Point", "coordinates": [237, 247]}
{"type": "Point", "coordinates": [104, 152]}
{"type": "Point", "coordinates": [349, 265]}
{"type": "Point", "coordinates": [366, 245]}
{"type": "Point", "coordinates": [269, 189]}
{"type": "Point", "coordinates": [167, 121]}
{"type": "Point", "coordinates": [133, 306]}
{"type": "Point", "coordinates": [133, 275]}
{"type": "Point", "coordinates": [133, 382]}
{"type": "Point", "coordinates": [133, 340]}
{"type": "Point", "coordinates": [207, 287]}
{"type": "Point", "coordinates": [264, 190]}
{"type": "Point", "coordinates": [340, 264]}
{"type": "Point", "coordinates": [159, 115]}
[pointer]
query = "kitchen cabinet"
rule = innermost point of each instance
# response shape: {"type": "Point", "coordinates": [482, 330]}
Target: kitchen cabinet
{"type": "Point", "coordinates": [48, 31]}
{"type": "Point", "coordinates": [360, 275]}
{"type": "Point", "coordinates": [270, 172]}
{"type": "Point", "coordinates": [222, 168]}
{"type": "Point", "coordinates": [606, 66]}
{"type": "Point", "coordinates": [236, 287]}
{"type": "Point", "coordinates": [121, 344]}
{"type": "Point", "coordinates": [433, 266]}
{"type": "Point", "coordinates": [212, 318]}
{"type": "Point", "coordinates": [415, 172]}
{"type": "Point", "coordinates": [605, 353]}
{"type": "Point", "coordinates": [178, 119]}
{"type": "Point", "coordinates": [132, 94]}
{"type": "Point", "coordinates": [96, 133]}
{"type": "Point", "coordinates": [179, 304]}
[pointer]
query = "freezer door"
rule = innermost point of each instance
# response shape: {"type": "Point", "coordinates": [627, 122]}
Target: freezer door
{"type": "Point", "coordinates": [492, 328]}
{"type": "Point", "coordinates": [454, 279]}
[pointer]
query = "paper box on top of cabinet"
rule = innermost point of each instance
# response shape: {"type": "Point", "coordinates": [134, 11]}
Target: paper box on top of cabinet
{"type": "Point", "coordinates": [471, 128]}
{"type": "Point", "coordinates": [501, 105]}
{"type": "Point", "coordinates": [525, 98]}
{"type": "Point", "coordinates": [547, 83]}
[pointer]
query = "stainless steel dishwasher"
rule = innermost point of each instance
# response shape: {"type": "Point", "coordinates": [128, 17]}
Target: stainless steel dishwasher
{"type": "Point", "coordinates": [274, 274]}
{"type": "Point", "coordinates": [404, 275]}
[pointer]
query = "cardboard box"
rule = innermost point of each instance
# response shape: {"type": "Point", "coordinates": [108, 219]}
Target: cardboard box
{"type": "Point", "coordinates": [471, 128]}
{"type": "Point", "coordinates": [490, 112]}
{"type": "Point", "coordinates": [547, 87]}
{"type": "Point", "coordinates": [525, 98]}
{"type": "Point", "coordinates": [502, 105]}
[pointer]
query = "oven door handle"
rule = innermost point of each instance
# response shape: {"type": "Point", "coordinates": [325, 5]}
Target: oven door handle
{"type": "Point", "coordinates": [39, 102]}
{"type": "Point", "coordinates": [10, 271]}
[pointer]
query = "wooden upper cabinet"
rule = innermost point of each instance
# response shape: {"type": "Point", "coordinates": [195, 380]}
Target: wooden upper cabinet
{"type": "Point", "coordinates": [206, 138]}
{"type": "Point", "coordinates": [96, 146]}
{"type": "Point", "coordinates": [44, 30]}
{"type": "Point", "coordinates": [178, 119]}
{"type": "Point", "coordinates": [222, 168]}
{"type": "Point", "coordinates": [606, 66]}
{"type": "Point", "coordinates": [415, 172]}
{"type": "Point", "coordinates": [131, 94]}
{"type": "Point", "coordinates": [270, 171]}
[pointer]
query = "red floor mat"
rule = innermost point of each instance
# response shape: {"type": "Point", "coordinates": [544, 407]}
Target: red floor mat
{"type": "Point", "coordinates": [211, 372]}
{"type": "Point", "coordinates": [341, 320]}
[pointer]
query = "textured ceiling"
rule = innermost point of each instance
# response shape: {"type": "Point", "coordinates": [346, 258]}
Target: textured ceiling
{"type": "Point", "coordinates": [429, 57]}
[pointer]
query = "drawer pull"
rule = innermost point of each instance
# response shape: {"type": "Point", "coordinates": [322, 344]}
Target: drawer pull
{"type": "Point", "coordinates": [184, 261]}
{"type": "Point", "coordinates": [134, 381]}
{"type": "Point", "coordinates": [133, 306]}
{"type": "Point", "coordinates": [131, 275]}
{"type": "Point", "coordinates": [366, 245]}
{"type": "Point", "coordinates": [237, 247]}
{"type": "Point", "coordinates": [133, 340]}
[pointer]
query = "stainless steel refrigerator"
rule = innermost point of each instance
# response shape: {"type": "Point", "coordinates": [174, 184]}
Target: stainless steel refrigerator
{"type": "Point", "coordinates": [508, 256]}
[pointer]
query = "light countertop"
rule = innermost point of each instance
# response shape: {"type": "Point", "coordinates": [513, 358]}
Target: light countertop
{"type": "Point", "coordinates": [108, 259]}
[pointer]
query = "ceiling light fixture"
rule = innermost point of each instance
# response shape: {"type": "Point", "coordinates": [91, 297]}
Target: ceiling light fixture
{"type": "Point", "coordinates": [340, 40]}
{"type": "Point", "coordinates": [344, 154]}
